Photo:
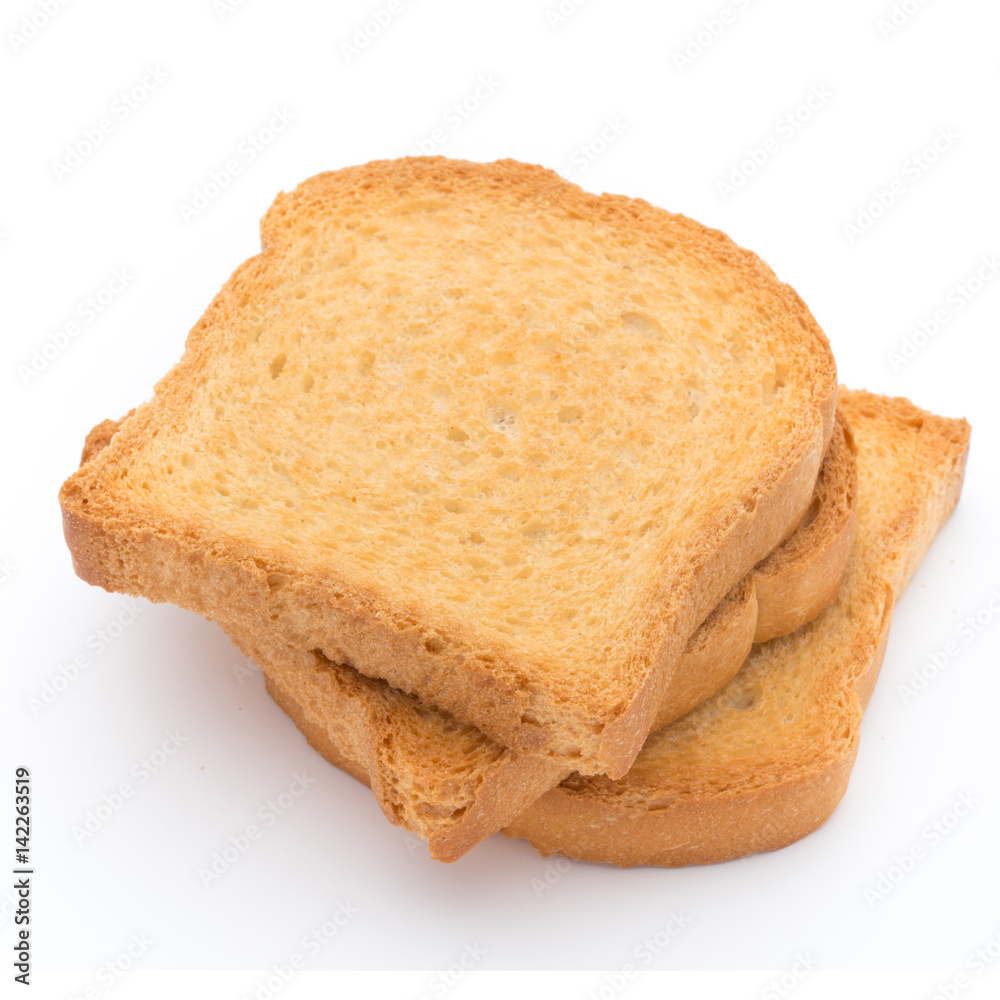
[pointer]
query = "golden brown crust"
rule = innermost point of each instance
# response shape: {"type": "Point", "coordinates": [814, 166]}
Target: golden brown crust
{"type": "Point", "coordinates": [691, 831]}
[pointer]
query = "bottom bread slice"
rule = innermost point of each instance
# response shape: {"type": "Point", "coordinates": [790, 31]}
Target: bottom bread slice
{"type": "Point", "coordinates": [766, 760]}
{"type": "Point", "coordinates": [453, 786]}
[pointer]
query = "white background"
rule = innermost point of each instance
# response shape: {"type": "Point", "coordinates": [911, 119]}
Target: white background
{"type": "Point", "coordinates": [554, 87]}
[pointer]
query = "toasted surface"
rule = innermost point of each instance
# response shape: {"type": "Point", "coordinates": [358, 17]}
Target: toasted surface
{"type": "Point", "coordinates": [766, 760]}
{"type": "Point", "coordinates": [452, 785]}
{"type": "Point", "coordinates": [477, 432]}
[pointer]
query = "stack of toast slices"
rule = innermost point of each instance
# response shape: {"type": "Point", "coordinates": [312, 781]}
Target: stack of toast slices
{"type": "Point", "coordinates": [541, 512]}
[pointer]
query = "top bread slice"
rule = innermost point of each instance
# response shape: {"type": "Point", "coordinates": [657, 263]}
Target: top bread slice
{"type": "Point", "coordinates": [479, 433]}
{"type": "Point", "coordinates": [453, 786]}
{"type": "Point", "coordinates": [766, 760]}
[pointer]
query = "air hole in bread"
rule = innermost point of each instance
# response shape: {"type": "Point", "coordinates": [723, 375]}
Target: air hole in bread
{"type": "Point", "coordinates": [503, 420]}
{"type": "Point", "coordinates": [655, 805]}
{"type": "Point", "coordinates": [640, 323]}
{"type": "Point", "coordinates": [696, 399]}
{"type": "Point", "coordinates": [434, 644]}
{"type": "Point", "coordinates": [535, 529]}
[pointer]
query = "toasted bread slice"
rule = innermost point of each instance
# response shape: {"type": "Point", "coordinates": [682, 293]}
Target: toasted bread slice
{"type": "Point", "coordinates": [496, 440]}
{"type": "Point", "coordinates": [453, 786]}
{"type": "Point", "coordinates": [766, 760]}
